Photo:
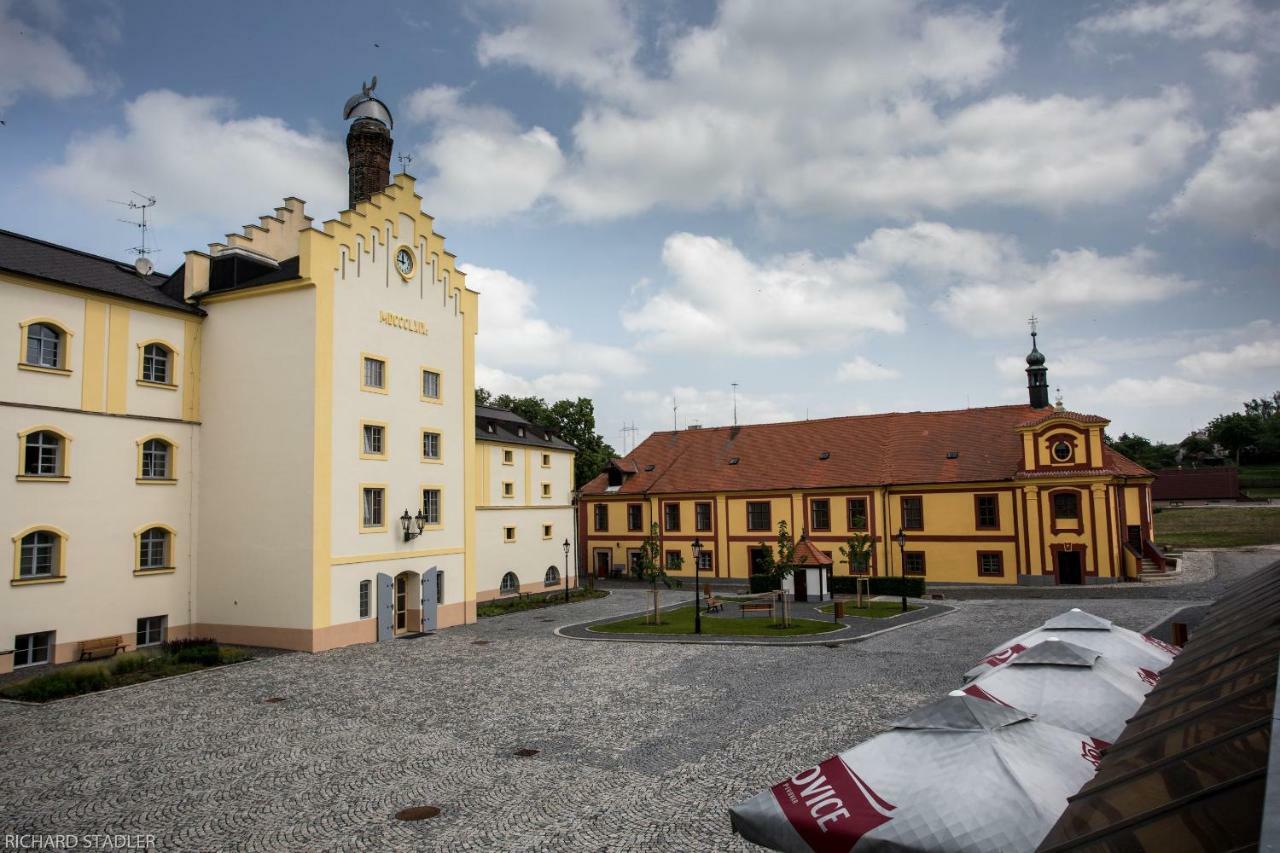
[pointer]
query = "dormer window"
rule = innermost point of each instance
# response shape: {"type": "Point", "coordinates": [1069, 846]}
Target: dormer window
{"type": "Point", "coordinates": [615, 477]}
{"type": "Point", "coordinates": [490, 427]}
{"type": "Point", "coordinates": [520, 431]}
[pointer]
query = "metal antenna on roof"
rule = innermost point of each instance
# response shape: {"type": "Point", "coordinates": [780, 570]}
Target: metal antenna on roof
{"type": "Point", "coordinates": [143, 265]}
{"type": "Point", "coordinates": [675, 407]}
{"type": "Point", "coordinates": [735, 403]}
{"type": "Point", "coordinates": [628, 432]}
{"type": "Point", "coordinates": [405, 160]}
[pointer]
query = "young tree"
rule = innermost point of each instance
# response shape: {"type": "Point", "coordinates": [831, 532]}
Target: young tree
{"type": "Point", "coordinates": [650, 569]}
{"type": "Point", "coordinates": [779, 561]}
{"type": "Point", "coordinates": [857, 552]}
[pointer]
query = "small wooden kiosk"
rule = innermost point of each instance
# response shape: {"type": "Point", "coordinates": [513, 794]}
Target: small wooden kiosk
{"type": "Point", "coordinates": [810, 580]}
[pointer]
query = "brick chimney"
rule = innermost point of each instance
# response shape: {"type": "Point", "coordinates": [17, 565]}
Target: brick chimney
{"type": "Point", "coordinates": [368, 145]}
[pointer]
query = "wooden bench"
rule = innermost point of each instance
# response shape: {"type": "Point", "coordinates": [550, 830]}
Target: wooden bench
{"type": "Point", "coordinates": [714, 605]}
{"type": "Point", "coordinates": [101, 647]}
{"type": "Point", "coordinates": [756, 607]}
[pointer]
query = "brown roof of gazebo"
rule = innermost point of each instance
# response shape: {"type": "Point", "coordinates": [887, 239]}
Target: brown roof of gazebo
{"type": "Point", "coordinates": [806, 554]}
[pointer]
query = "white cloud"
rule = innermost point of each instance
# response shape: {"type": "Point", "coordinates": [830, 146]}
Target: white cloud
{"type": "Point", "coordinates": [1238, 69]}
{"type": "Point", "coordinates": [32, 61]}
{"type": "Point", "coordinates": [651, 410]}
{"type": "Point", "coordinates": [207, 167]}
{"type": "Point", "coordinates": [1064, 365]}
{"type": "Point", "coordinates": [723, 301]}
{"type": "Point", "coordinates": [862, 369]}
{"type": "Point", "coordinates": [519, 352]}
{"type": "Point", "coordinates": [1178, 19]}
{"type": "Point", "coordinates": [839, 111]}
{"type": "Point", "coordinates": [1238, 189]}
{"type": "Point", "coordinates": [483, 165]}
{"type": "Point", "coordinates": [1160, 391]}
{"type": "Point", "coordinates": [1259, 355]}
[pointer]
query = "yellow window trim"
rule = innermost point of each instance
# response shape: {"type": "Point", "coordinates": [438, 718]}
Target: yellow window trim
{"type": "Point", "coordinates": [137, 549]}
{"type": "Point", "coordinates": [508, 492]}
{"type": "Point", "coordinates": [386, 433]}
{"type": "Point", "coordinates": [439, 398]}
{"type": "Point", "coordinates": [546, 460]}
{"type": "Point", "coordinates": [548, 530]}
{"type": "Point", "coordinates": [508, 452]}
{"type": "Point", "coordinates": [439, 487]}
{"type": "Point", "coordinates": [546, 489]}
{"type": "Point", "coordinates": [62, 369]}
{"type": "Point", "coordinates": [505, 540]}
{"type": "Point", "coordinates": [437, 460]}
{"type": "Point", "coordinates": [62, 476]}
{"type": "Point", "coordinates": [386, 373]}
{"type": "Point", "coordinates": [61, 572]}
{"type": "Point", "coordinates": [173, 365]}
{"type": "Point", "coordinates": [173, 462]}
{"type": "Point", "coordinates": [360, 508]}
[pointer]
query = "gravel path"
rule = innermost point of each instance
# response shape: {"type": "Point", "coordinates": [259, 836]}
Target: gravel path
{"type": "Point", "coordinates": [641, 746]}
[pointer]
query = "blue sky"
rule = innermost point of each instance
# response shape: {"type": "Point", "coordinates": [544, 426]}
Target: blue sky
{"type": "Point", "coordinates": [844, 207]}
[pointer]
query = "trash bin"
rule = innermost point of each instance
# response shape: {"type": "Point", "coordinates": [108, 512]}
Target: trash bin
{"type": "Point", "coordinates": [839, 606]}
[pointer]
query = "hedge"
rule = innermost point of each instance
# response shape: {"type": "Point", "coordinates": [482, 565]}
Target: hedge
{"type": "Point", "coordinates": [844, 585]}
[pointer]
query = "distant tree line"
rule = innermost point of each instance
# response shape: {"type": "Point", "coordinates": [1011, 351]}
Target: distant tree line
{"type": "Point", "coordinates": [1251, 436]}
{"type": "Point", "coordinates": [572, 420]}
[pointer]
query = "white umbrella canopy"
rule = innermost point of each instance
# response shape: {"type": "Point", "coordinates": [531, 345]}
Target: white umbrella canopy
{"type": "Point", "coordinates": [1070, 686]}
{"type": "Point", "coordinates": [1120, 645]}
{"type": "Point", "coordinates": [961, 774]}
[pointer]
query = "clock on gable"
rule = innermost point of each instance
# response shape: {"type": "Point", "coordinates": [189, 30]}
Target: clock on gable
{"type": "Point", "coordinates": [405, 262]}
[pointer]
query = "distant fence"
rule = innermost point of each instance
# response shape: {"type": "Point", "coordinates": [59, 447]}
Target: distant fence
{"type": "Point", "coordinates": [1196, 484]}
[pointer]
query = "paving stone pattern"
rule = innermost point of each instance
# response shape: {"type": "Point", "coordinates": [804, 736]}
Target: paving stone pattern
{"type": "Point", "coordinates": [641, 746]}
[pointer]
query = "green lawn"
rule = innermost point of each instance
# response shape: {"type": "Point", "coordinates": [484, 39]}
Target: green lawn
{"type": "Point", "coordinates": [1218, 526]}
{"type": "Point", "coordinates": [874, 610]}
{"type": "Point", "coordinates": [680, 621]}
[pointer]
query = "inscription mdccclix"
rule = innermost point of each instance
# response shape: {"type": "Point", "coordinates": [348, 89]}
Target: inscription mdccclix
{"type": "Point", "coordinates": [408, 324]}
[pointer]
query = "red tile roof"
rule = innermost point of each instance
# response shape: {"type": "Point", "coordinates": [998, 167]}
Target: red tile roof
{"type": "Point", "coordinates": [864, 450]}
{"type": "Point", "coordinates": [806, 554]}
{"type": "Point", "coordinates": [1054, 413]}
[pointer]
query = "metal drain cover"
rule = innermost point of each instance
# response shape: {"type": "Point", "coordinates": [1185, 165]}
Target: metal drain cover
{"type": "Point", "coordinates": [418, 813]}
{"type": "Point", "coordinates": [274, 700]}
{"type": "Point", "coordinates": [526, 753]}
{"type": "Point", "coordinates": [479, 642]}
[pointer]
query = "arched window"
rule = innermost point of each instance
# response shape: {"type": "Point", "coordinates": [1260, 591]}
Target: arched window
{"type": "Point", "coordinates": [46, 345]}
{"type": "Point", "coordinates": [510, 584]}
{"type": "Point", "coordinates": [157, 364]}
{"type": "Point", "coordinates": [38, 555]}
{"type": "Point", "coordinates": [156, 460]}
{"type": "Point", "coordinates": [153, 549]}
{"type": "Point", "coordinates": [44, 454]}
{"type": "Point", "coordinates": [552, 576]}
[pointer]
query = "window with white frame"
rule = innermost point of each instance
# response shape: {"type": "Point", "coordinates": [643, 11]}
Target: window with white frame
{"type": "Point", "coordinates": [365, 587]}
{"type": "Point", "coordinates": [42, 454]}
{"type": "Point", "coordinates": [375, 373]}
{"type": "Point", "coordinates": [157, 363]}
{"type": "Point", "coordinates": [32, 649]}
{"type": "Point", "coordinates": [38, 555]}
{"type": "Point", "coordinates": [552, 577]}
{"type": "Point", "coordinates": [431, 506]}
{"type": "Point", "coordinates": [153, 549]}
{"type": "Point", "coordinates": [45, 345]}
{"type": "Point", "coordinates": [374, 439]}
{"type": "Point", "coordinates": [372, 515]}
{"type": "Point", "coordinates": [510, 584]}
{"type": "Point", "coordinates": [156, 454]}
{"type": "Point", "coordinates": [705, 561]}
{"type": "Point", "coordinates": [431, 445]}
{"type": "Point", "coordinates": [431, 385]}
{"type": "Point", "coordinates": [151, 630]}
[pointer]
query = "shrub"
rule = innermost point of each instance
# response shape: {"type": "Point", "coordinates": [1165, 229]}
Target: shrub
{"type": "Point", "coordinates": [764, 583]}
{"type": "Point", "coordinates": [132, 662]}
{"type": "Point", "coordinates": [70, 681]}
{"type": "Point", "coordinates": [172, 647]}
{"type": "Point", "coordinates": [206, 655]}
{"type": "Point", "coordinates": [845, 585]}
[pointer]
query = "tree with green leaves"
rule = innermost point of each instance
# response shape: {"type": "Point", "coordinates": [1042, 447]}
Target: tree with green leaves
{"type": "Point", "coordinates": [779, 562]}
{"type": "Point", "coordinates": [1235, 432]}
{"type": "Point", "coordinates": [572, 420]}
{"type": "Point", "coordinates": [857, 551]}
{"type": "Point", "coordinates": [650, 568]}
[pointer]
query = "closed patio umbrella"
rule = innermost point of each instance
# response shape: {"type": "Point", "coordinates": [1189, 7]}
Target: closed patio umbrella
{"type": "Point", "coordinates": [959, 774]}
{"type": "Point", "coordinates": [1120, 645]}
{"type": "Point", "coordinates": [1070, 686]}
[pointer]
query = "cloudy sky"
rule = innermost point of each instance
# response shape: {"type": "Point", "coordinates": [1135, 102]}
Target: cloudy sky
{"type": "Point", "coordinates": [843, 207]}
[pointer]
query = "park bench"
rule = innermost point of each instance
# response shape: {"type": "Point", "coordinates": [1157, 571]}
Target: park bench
{"type": "Point", "coordinates": [714, 605]}
{"type": "Point", "coordinates": [756, 607]}
{"type": "Point", "coordinates": [101, 647]}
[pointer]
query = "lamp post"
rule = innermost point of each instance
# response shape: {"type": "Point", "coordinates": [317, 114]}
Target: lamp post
{"type": "Point", "coordinates": [407, 521]}
{"type": "Point", "coordinates": [697, 564]}
{"type": "Point", "coordinates": [566, 571]}
{"type": "Point", "coordinates": [902, 549]}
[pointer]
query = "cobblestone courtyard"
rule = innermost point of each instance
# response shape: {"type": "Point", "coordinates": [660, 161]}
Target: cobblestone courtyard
{"type": "Point", "coordinates": [641, 746]}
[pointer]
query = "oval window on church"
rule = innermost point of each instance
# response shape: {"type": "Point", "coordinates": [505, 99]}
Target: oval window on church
{"type": "Point", "coordinates": [1062, 452]}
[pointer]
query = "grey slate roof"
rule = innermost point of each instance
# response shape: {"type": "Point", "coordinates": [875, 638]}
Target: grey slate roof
{"type": "Point", "coordinates": [51, 262]}
{"type": "Point", "coordinates": [505, 430]}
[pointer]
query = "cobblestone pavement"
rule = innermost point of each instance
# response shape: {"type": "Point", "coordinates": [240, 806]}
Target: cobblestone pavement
{"type": "Point", "coordinates": [641, 747]}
